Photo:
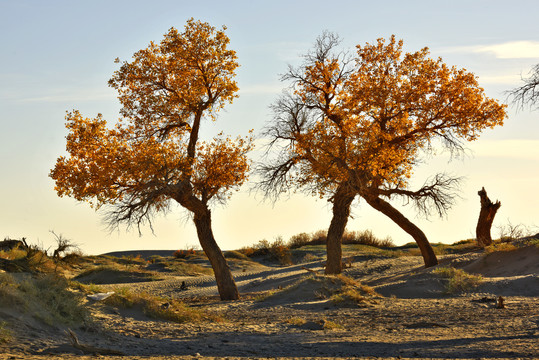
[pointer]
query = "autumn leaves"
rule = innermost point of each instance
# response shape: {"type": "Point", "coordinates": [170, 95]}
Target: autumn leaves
{"type": "Point", "coordinates": [355, 125]}
{"type": "Point", "coordinates": [350, 126]}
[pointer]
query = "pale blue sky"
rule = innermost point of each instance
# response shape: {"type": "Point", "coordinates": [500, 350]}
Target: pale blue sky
{"type": "Point", "coordinates": [58, 56]}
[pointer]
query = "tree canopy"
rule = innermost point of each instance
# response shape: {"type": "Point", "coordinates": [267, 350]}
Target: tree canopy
{"type": "Point", "coordinates": [153, 154]}
{"type": "Point", "coordinates": [357, 125]}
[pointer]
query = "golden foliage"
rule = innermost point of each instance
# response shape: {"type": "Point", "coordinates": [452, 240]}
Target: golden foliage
{"type": "Point", "coordinates": [154, 154]}
{"type": "Point", "coordinates": [365, 120]}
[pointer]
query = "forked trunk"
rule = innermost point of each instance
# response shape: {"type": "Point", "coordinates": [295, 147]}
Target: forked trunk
{"type": "Point", "coordinates": [384, 207]}
{"type": "Point", "coordinates": [223, 276]}
{"type": "Point", "coordinates": [486, 217]}
{"type": "Point", "coordinates": [341, 211]}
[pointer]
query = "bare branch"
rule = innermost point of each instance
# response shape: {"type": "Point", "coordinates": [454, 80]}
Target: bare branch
{"type": "Point", "coordinates": [438, 192]}
{"type": "Point", "coordinates": [527, 94]}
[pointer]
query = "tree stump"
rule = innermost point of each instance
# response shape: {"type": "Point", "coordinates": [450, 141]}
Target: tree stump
{"type": "Point", "coordinates": [486, 217]}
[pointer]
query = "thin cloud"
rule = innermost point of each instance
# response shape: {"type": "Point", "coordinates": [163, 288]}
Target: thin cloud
{"type": "Point", "coordinates": [509, 50]}
{"type": "Point", "coordinates": [512, 50]}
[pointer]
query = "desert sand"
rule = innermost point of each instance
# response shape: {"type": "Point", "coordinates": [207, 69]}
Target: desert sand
{"type": "Point", "coordinates": [413, 317]}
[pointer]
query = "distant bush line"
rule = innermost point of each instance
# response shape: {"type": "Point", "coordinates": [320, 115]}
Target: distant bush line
{"type": "Point", "coordinates": [280, 250]}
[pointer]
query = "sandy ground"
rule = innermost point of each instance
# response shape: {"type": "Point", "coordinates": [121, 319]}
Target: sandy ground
{"type": "Point", "coordinates": [414, 318]}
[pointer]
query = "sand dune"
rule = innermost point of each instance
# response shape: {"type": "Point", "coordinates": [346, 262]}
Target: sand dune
{"type": "Point", "coordinates": [413, 318]}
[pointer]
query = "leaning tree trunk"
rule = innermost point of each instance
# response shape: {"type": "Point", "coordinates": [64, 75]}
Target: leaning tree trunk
{"type": "Point", "coordinates": [426, 249]}
{"type": "Point", "coordinates": [202, 218]}
{"type": "Point", "coordinates": [486, 217]}
{"type": "Point", "coordinates": [223, 276]}
{"type": "Point", "coordinates": [341, 211]}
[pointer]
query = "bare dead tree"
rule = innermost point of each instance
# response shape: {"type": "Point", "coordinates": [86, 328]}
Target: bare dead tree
{"type": "Point", "coordinates": [62, 246]}
{"type": "Point", "coordinates": [486, 217]}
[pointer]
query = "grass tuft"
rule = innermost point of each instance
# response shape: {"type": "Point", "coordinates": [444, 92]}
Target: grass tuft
{"type": "Point", "coordinates": [159, 307]}
{"type": "Point", "coordinates": [5, 334]}
{"type": "Point", "coordinates": [458, 280]}
{"type": "Point", "coordinates": [499, 247]}
{"type": "Point", "coordinates": [354, 292]}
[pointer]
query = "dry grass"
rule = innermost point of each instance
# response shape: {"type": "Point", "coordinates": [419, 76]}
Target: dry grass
{"type": "Point", "coordinates": [338, 289]}
{"type": "Point", "coordinates": [158, 307]}
{"type": "Point", "coordinates": [353, 292]}
{"type": "Point", "coordinates": [5, 334]}
{"type": "Point", "coordinates": [500, 246]}
{"type": "Point", "coordinates": [276, 251]}
{"type": "Point", "coordinates": [365, 237]}
{"type": "Point", "coordinates": [46, 297]}
{"type": "Point", "coordinates": [458, 280]}
{"type": "Point", "coordinates": [331, 325]}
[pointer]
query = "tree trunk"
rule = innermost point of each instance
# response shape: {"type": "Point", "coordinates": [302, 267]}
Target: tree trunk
{"type": "Point", "coordinates": [341, 211]}
{"type": "Point", "coordinates": [486, 217]}
{"type": "Point", "coordinates": [223, 276]}
{"type": "Point", "coordinates": [426, 249]}
{"type": "Point", "coordinates": [202, 218]}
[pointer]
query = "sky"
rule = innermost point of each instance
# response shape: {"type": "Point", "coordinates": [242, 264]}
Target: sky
{"type": "Point", "coordinates": [56, 56]}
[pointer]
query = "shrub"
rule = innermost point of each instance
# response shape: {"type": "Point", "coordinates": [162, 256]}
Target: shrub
{"type": "Point", "coordinates": [276, 250]}
{"type": "Point", "coordinates": [319, 237]}
{"type": "Point", "coordinates": [512, 232]}
{"type": "Point", "coordinates": [458, 280]}
{"type": "Point", "coordinates": [365, 237]}
{"type": "Point", "coordinates": [299, 240]}
{"type": "Point", "coordinates": [247, 251]}
{"type": "Point", "coordinates": [182, 254]}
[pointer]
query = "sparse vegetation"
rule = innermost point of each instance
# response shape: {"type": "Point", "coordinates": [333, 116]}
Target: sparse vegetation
{"type": "Point", "coordinates": [5, 334]}
{"type": "Point", "coordinates": [159, 307]}
{"type": "Point", "coordinates": [510, 232]}
{"type": "Point", "coordinates": [284, 252]}
{"type": "Point", "coordinates": [365, 237]}
{"type": "Point", "coordinates": [331, 325]}
{"type": "Point", "coordinates": [338, 289]}
{"type": "Point", "coordinates": [352, 291]}
{"type": "Point", "coordinates": [500, 246]}
{"type": "Point", "coordinates": [46, 297]}
{"type": "Point", "coordinates": [458, 280]}
{"type": "Point", "coordinates": [277, 250]}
